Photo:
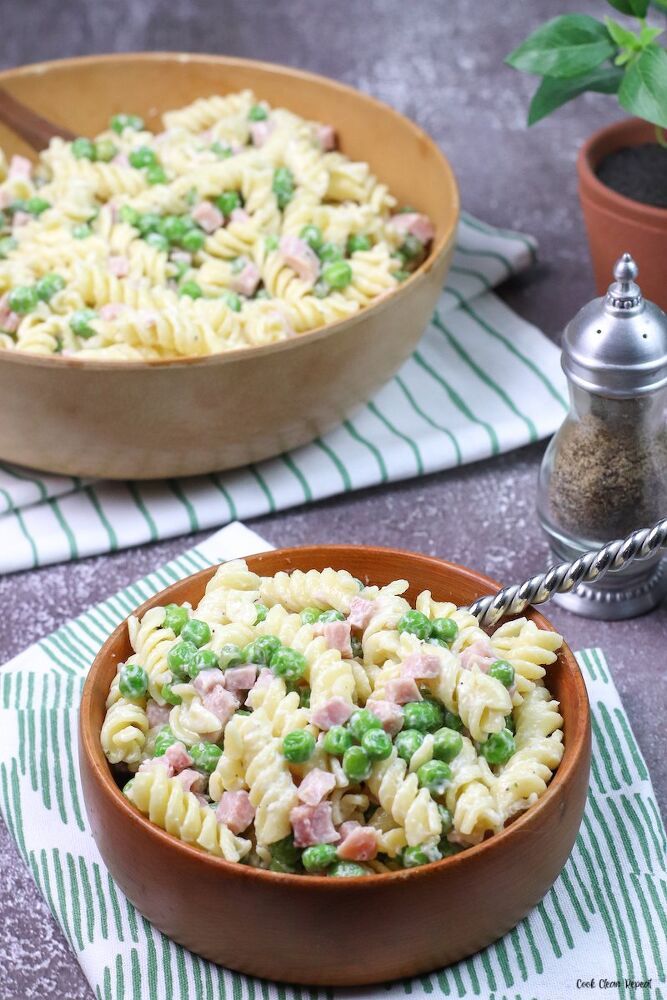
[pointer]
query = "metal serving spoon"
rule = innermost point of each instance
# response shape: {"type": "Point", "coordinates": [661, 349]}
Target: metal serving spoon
{"type": "Point", "coordinates": [611, 558]}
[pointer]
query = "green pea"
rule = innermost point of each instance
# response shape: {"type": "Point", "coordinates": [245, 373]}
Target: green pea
{"type": "Point", "coordinates": [222, 150]}
{"type": "Point", "coordinates": [49, 285]}
{"type": "Point", "coordinates": [444, 628]}
{"type": "Point", "coordinates": [262, 293]}
{"type": "Point", "coordinates": [143, 156]}
{"type": "Point", "coordinates": [408, 743]}
{"type": "Point", "coordinates": [80, 321]}
{"type": "Point", "coordinates": [271, 242]}
{"type": "Point", "coordinates": [452, 721]}
{"type": "Point", "coordinates": [298, 746]}
{"type": "Point", "coordinates": [503, 672]}
{"type": "Point", "coordinates": [283, 852]}
{"type": "Point", "coordinates": [448, 849]}
{"type": "Point", "coordinates": [288, 664]}
{"type": "Point", "coordinates": [446, 818]}
{"type": "Point", "coordinates": [23, 299]}
{"type": "Point", "coordinates": [127, 787]}
{"type": "Point", "coordinates": [310, 615]}
{"type": "Point", "coordinates": [356, 764]}
{"type": "Point", "coordinates": [121, 121]}
{"type": "Point", "coordinates": [228, 201]}
{"type": "Point", "coordinates": [347, 869]}
{"type": "Point", "coordinates": [164, 739]}
{"type": "Point", "coordinates": [180, 267]}
{"type": "Point", "coordinates": [156, 174]}
{"type": "Point", "coordinates": [7, 245]}
{"type": "Point", "coordinates": [499, 747]}
{"type": "Point", "coordinates": [261, 650]}
{"type": "Point", "coordinates": [414, 857]}
{"type": "Point", "coordinates": [401, 275]}
{"type": "Point", "coordinates": [18, 205]}
{"type": "Point", "coordinates": [304, 697]}
{"type": "Point", "coordinates": [133, 682]}
{"type": "Point", "coordinates": [361, 721]}
{"type": "Point", "coordinates": [411, 248]}
{"type": "Point", "coordinates": [434, 775]}
{"type": "Point", "coordinates": [191, 289]}
{"type": "Point", "coordinates": [193, 240]}
{"type": "Point", "coordinates": [319, 857]}
{"type": "Point", "coordinates": [173, 228]}
{"type": "Point", "coordinates": [169, 695]}
{"type": "Point", "coordinates": [81, 231]}
{"type": "Point", "coordinates": [192, 197]}
{"type": "Point", "coordinates": [175, 617]}
{"type": "Point", "coordinates": [105, 150]}
{"type": "Point", "coordinates": [258, 113]}
{"type": "Point", "coordinates": [447, 744]}
{"type": "Point", "coordinates": [509, 723]}
{"type": "Point", "coordinates": [179, 658]}
{"type": "Point", "coordinates": [83, 149]}
{"type": "Point", "coordinates": [330, 252]}
{"type": "Point", "coordinates": [312, 235]}
{"type": "Point", "coordinates": [4, 222]}
{"type": "Point", "coordinates": [204, 659]}
{"type": "Point", "coordinates": [283, 186]}
{"type": "Point", "coordinates": [427, 716]}
{"type": "Point", "coordinates": [415, 623]}
{"type": "Point", "coordinates": [130, 215]}
{"type": "Point", "coordinates": [35, 205]}
{"type": "Point", "coordinates": [149, 222]}
{"type": "Point", "coordinates": [337, 740]}
{"type": "Point", "coordinates": [158, 241]}
{"type": "Point", "coordinates": [338, 274]}
{"type": "Point", "coordinates": [357, 647]}
{"type": "Point", "coordinates": [230, 656]}
{"type": "Point", "coordinates": [377, 744]}
{"type": "Point", "coordinates": [197, 632]}
{"type": "Point", "coordinates": [358, 241]}
{"type": "Point", "coordinates": [205, 756]}
{"type": "Point", "coordinates": [232, 300]}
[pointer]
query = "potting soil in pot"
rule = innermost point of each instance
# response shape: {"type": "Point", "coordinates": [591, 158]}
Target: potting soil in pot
{"type": "Point", "coordinates": [638, 172]}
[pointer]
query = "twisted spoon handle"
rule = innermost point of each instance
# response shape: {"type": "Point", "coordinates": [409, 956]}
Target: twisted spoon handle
{"type": "Point", "coordinates": [611, 558]}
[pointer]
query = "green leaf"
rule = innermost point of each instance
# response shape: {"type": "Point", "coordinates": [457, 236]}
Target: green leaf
{"type": "Point", "coordinates": [626, 39]}
{"type": "Point", "coordinates": [633, 8]}
{"type": "Point", "coordinates": [643, 90]}
{"type": "Point", "coordinates": [661, 4]}
{"type": "Point", "coordinates": [553, 93]}
{"type": "Point", "coordinates": [564, 47]}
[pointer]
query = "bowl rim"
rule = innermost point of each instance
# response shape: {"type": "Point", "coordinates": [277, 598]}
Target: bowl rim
{"type": "Point", "coordinates": [439, 248]}
{"type": "Point", "coordinates": [99, 767]}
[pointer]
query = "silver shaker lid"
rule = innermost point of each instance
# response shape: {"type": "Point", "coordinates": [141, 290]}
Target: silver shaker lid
{"type": "Point", "coordinates": [617, 344]}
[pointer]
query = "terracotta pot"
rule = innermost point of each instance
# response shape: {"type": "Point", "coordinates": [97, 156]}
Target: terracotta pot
{"type": "Point", "coordinates": [310, 929]}
{"type": "Point", "coordinates": [616, 223]}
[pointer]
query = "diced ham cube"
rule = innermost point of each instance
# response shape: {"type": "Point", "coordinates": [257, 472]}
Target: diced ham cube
{"type": "Point", "coordinates": [20, 168]}
{"type": "Point", "coordinates": [402, 690]}
{"type": "Point", "coordinates": [415, 224]}
{"type": "Point", "coordinates": [191, 780]}
{"type": "Point", "coordinates": [240, 678]}
{"type": "Point", "coordinates": [300, 257]}
{"type": "Point", "coordinates": [119, 266]}
{"type": "Point", "coordinates": [246, 281]}
{"type": "Point", "coordinates": [264, 680]}
{"type": "Point", "coordinates": [478, 654]}
{"type": "Point", "coordinates": [236, 811]}
{"type": "Point", "coordinates": [177, 757]}
{"type": "Point", "coordinates": [388, 712]}
{"type": "Point", "coordinates": [157, 715]}
{"type": "Point", "coordinates": [360, 844]}
{"type": "Point", "coordinates": [260, 131]}
{"type": "Point", "coordinates": [334, 712]}
{"type": "Point", "coordinates": [9, 321]}
{"type": "Point", "coordinates": [121, 160]}
{"type": "Point", "coordinates": [154, 762]}
{"type": "Point", "coordinates": [313, 825]}
{"type": "Point", "coordinates": [347, 827]}
{"type": "Point", "coordinates": [221, 703]}
{"type": "Point", "coordinates": [337, 635]}
{"type": "Point", "coordinates": [21, 219]}
{"type": "Point", "coordinates": [112, 311]}
{"type": "Point", "coordinates": [326, 137]}
{"type": "Point", "coordinates": [6, 198]}
{"type": "Point", "coordinates": [239, 215]}
{"type": "Point", "coordinates": [206, 680]}
{"type": "Point", "coordinates": [361, 612]}
{"type": "Point", "coordinates": [208, 216]}
{"type": "Point", "coordinates": [316, 786]}
{"type": "Point", "coordinates": [421, 665]}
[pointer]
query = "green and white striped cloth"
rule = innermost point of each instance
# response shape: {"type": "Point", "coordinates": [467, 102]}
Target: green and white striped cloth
{"type": "Point", "coordinates": [604, 919]}
{"type": "Point", "coordinates": [481, 382]}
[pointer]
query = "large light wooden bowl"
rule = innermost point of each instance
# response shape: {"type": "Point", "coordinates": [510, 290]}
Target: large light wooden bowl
{"type": "Point", "coordinates": [310, 929]}
{"type": "Point", "coordinates": [171, 418]}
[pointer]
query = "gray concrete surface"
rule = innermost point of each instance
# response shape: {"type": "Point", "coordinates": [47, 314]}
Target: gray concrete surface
{"type": "Point", "coordinates": [441, 63]}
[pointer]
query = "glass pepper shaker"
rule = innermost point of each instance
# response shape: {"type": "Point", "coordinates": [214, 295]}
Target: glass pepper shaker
{"type": "Point", "coordinates": [604, 473]}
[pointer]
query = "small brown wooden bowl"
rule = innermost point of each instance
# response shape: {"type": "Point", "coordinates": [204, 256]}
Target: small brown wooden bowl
{"type": "Point", "coordinates": [338, 932]}
{"type": "Point", "coordinates": [155, 419]}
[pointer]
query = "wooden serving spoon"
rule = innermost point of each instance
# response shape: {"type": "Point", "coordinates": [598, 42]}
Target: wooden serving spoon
{"type": "Point", "coordinates": [27, 124]}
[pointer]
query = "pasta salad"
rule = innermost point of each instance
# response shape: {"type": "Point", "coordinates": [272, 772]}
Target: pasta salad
{"type": "Point", "coordinates": [309, 723]}
{"type": "Point", "coordinates": [237, 225]}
